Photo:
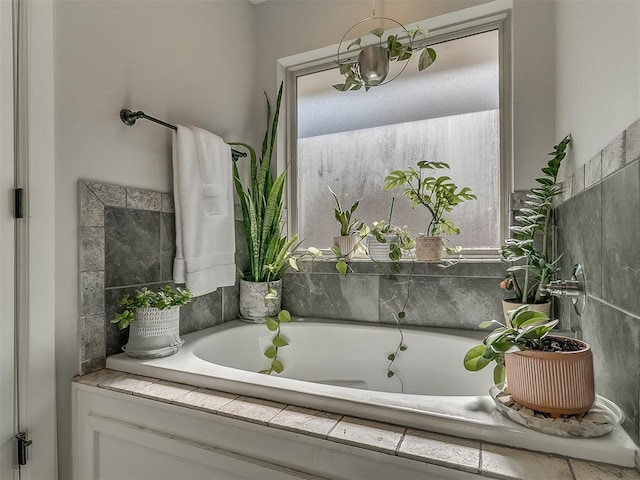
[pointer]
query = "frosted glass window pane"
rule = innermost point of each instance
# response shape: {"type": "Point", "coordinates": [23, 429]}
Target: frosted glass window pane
{"type": "Point", "coordinates": [350, 141]}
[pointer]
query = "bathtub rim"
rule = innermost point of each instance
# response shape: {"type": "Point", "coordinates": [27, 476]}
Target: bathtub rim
{"type": "Point", "coordinates": [480, 420]}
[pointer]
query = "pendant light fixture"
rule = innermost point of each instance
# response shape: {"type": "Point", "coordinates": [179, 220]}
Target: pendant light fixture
{"type": "Point", "coordinates": [371, 67]}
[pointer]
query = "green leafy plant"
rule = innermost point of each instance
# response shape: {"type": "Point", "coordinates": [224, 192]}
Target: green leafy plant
{"type": "Point", "coordinates": [528, 329]}
{"type": "Point", "coordinates": [162, 299]}
{"type": "Point", "coordinates": [397, 51]}
{"type": "Point", "coordinates": [278, 341]}
{"type": "Point", "coordinates": [270, 251]}
{"type": "Point", "coordinates": [439, 195]}
{"type": "Point", "coordinates": [527, 251]}
{"type": "Point", "coordinates": [348, 224]}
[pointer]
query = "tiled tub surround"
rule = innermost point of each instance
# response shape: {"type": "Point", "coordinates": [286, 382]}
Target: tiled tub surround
{"type": "Point", "coordinates": [599, 227]}
{"type": "Point", "coordinates": [127, 241]}
{"type": "Point", "coordinates": [475, 457]}
{"type": "Point", "coordinates": [457, 297]}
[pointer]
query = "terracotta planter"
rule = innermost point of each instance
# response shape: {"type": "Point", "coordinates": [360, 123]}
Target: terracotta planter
{"type": "Point", "coordinates": [348, 245]}
{"type": "Point", "coordinates": [512, 304]}
{"type": "Point", "coordinates": [429, 249]}
{"type": "Point", "coordinates": [558, 383]}
{"type": "Point", "coordinates": [253, 306]}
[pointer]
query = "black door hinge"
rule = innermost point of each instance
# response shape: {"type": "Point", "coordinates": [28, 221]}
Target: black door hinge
{"type": "Point", "coordinates": [23, 444]}
{"type": "Point", "coordinates": [18, 203]}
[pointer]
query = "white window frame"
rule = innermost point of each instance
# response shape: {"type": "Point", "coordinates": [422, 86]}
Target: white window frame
{"type": "Point", "coordinates": [495, 15]}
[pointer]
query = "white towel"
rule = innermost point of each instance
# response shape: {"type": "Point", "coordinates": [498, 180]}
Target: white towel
{"type": "Point", "coordinates": [205, 225]}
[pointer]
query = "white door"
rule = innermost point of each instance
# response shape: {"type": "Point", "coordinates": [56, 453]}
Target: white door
{"type": "Point", "coordinates": [27, 323]}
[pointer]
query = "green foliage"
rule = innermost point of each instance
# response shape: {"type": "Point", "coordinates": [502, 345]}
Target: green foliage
{"type": "Point", "coordinates": [278, 341]}
{"type": "Point", "coordinates": [162, 299]}
{"type": "Point", "coordinates": [261, 203]}
{"type": "Point", "coordinates": [348, 226]}
{"type": "Point", "coordinates": [398, 51]}
{"type": "Point", "coordinates": [527, 250]}
{"type": "Point", "coordinates": [527, 330]}
{"type": "Point", "coordinates": [439, 195]}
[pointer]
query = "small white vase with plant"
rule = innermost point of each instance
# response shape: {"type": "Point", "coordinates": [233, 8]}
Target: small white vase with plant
{"type": "Point", "coordinates": [527, 252]}
{"type": "Point", "coordinates": [439, 195]}
{"type": "Point", "coordinates": [153, 318]}
{"type": "Point", "coordinates": [349, 242]}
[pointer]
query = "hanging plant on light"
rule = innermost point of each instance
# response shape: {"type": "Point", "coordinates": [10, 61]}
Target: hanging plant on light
{"type": "Point", "coordinates": [371, 66]}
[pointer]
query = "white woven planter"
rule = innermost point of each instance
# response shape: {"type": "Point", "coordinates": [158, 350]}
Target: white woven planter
{"type": "Point", "coordinates": [253, 306]}
{"type": "Point", "coordinates": [429, 249]}
{"type": "Point", "coordinates": [154, 333]}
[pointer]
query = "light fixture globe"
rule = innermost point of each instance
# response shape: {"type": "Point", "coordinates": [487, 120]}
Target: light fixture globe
{"type": "Point", "coordinates": [373, 64]}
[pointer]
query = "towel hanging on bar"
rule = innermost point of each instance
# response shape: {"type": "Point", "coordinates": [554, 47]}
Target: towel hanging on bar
{"type": "Point", "coordinates": [129, 118]}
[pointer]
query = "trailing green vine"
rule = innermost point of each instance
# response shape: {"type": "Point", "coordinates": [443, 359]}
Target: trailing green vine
{"type": "Point", "coordinates": [278, 341]}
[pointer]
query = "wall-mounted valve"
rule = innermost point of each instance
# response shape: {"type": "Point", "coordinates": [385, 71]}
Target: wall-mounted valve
{"type": "Point", "coordinates": [573, 288]}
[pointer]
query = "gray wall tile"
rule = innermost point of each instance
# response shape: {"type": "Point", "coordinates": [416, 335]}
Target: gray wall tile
{"type": "Point", "coordinates": [354, 297]}
{"type": "Point", "coordinates": [613, 156]}
{"type": "Point", "coordinates": [132, 247]}
{"type": "Point", "coordinates": [230, 302]}
{"type": "Point", "coordinates": [615, 340]}
{"type": "Point", "coordinates": [91, 249]}
{"type": "Point", "coordinates": [577, 181]}
{"type": "Point", "coordinates": [202, 312]}
{"type": "Point", "coordinates": [92, 337]}
{"type": "Point", "coordinates": [91, 208]}
{"type": "Point", "coordinates": [441, 301]}
{"type": "Point", "coordinates": [620, 234]}
{"type": "Point", "coordinates": [92, 365]}
{"type": "Point", "coordinates": [143, 199]}
{"type": "Point", "coordinates": [110, 195]}
{"type": "Point", "coordinates": [167, 203]}
{"type": "Point", "coordinates": [91, 293]}
{"type": "Point", "coordinates": [632, 142]}
{"type": "Point", "coordinates": [593, 170]}
{"type": "Point", "coordinates": [167, 245]}
{"type": "Point", "coordinates": [574, 218]}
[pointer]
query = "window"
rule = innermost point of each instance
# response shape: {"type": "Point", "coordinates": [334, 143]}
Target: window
{"type": "Point", "coordinates": [349, 141]}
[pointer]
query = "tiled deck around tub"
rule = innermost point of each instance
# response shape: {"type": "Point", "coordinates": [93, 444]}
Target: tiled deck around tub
{"type": "Point", "coordinates": [466, 455]}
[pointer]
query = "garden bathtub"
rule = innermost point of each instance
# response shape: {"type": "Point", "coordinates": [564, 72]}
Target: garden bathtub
{"type": "Point", "coordinates": [342, 367]}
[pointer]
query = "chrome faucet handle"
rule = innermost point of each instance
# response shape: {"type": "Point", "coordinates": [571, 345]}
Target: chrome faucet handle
{"type": "Point", "coordinates": [573, 288]}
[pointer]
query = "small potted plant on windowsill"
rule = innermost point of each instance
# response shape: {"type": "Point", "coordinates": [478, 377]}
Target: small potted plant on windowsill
{"type": "Point", "coordinates": [349, 242]}
{"type": "Point", "coordinates": [153, 318]}
{"type": "Point", "coordinates": [546, 373]}
{"type": "Point", "coordinates": [527, 251]}
{"type": "Point", "coordinates": [439, 195]}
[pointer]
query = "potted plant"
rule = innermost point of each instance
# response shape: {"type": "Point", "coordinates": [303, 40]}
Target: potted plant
{"type": "Point", "coordinates": [348, 242]}
{"type": "Point", "coordinates": [270, 251]}
{"type": "Point", "coordinates": [439, 195]}
{"type": "Point", "coordinates": [527, 251]}
{"type": "Point", "coordinates": [372, 64]}
{"type": "Point", "coordinates": [547, 373]}
{"type": "Point", "coordinates": [153, 318]}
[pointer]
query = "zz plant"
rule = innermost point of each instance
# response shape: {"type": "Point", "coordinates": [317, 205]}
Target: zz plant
{"type": "Point", "coordinates": [526, 332]}
{"type": "Point", "coordinates": [528, 249]}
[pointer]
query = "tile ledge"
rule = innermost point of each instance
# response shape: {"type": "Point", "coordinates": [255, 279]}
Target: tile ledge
{"type": "Point", "coordinates": [96, 380]}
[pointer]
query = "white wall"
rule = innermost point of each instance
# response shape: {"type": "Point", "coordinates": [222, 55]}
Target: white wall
{"type": "Point", "coordinates": [187, 62]}
{"type": "Point", "coordinates": [597, 72]}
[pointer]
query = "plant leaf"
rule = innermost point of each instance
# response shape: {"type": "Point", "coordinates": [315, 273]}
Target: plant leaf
{"type": "Point", "coordinates": [284, 316]}
{"type": "Point", "coordinates": [271, 352]}
{"type": "Point", "coordinates": [474, 359]}
{"type": "Point", "coordinates": [427, 57]}
{"type": "Point", "coordinates": [341, 267]}
{"type": "Point", "coordinates": [272, 325]}
{"type": "Point", "coordinates": [277, 366]}
{"type": "Point", "coordinates": [279, 341]}
{"type": "Point", "coordinates": [499, 374]}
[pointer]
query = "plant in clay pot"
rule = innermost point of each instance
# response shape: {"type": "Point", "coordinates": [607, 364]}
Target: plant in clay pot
{"type": "Point", "coordinates": [527, 251]}
{"type": "Point", "coordinates": [153, 318]}
{"type": "Point", "coordinates": [439, 195]}
{"type": "Point", "coordinates": [270, 251]}
{"type": "Point", "coordinates": [547, 373]}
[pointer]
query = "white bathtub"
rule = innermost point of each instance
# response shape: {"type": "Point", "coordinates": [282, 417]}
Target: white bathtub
{"type": "Point", "coordinates": [342, 367]}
